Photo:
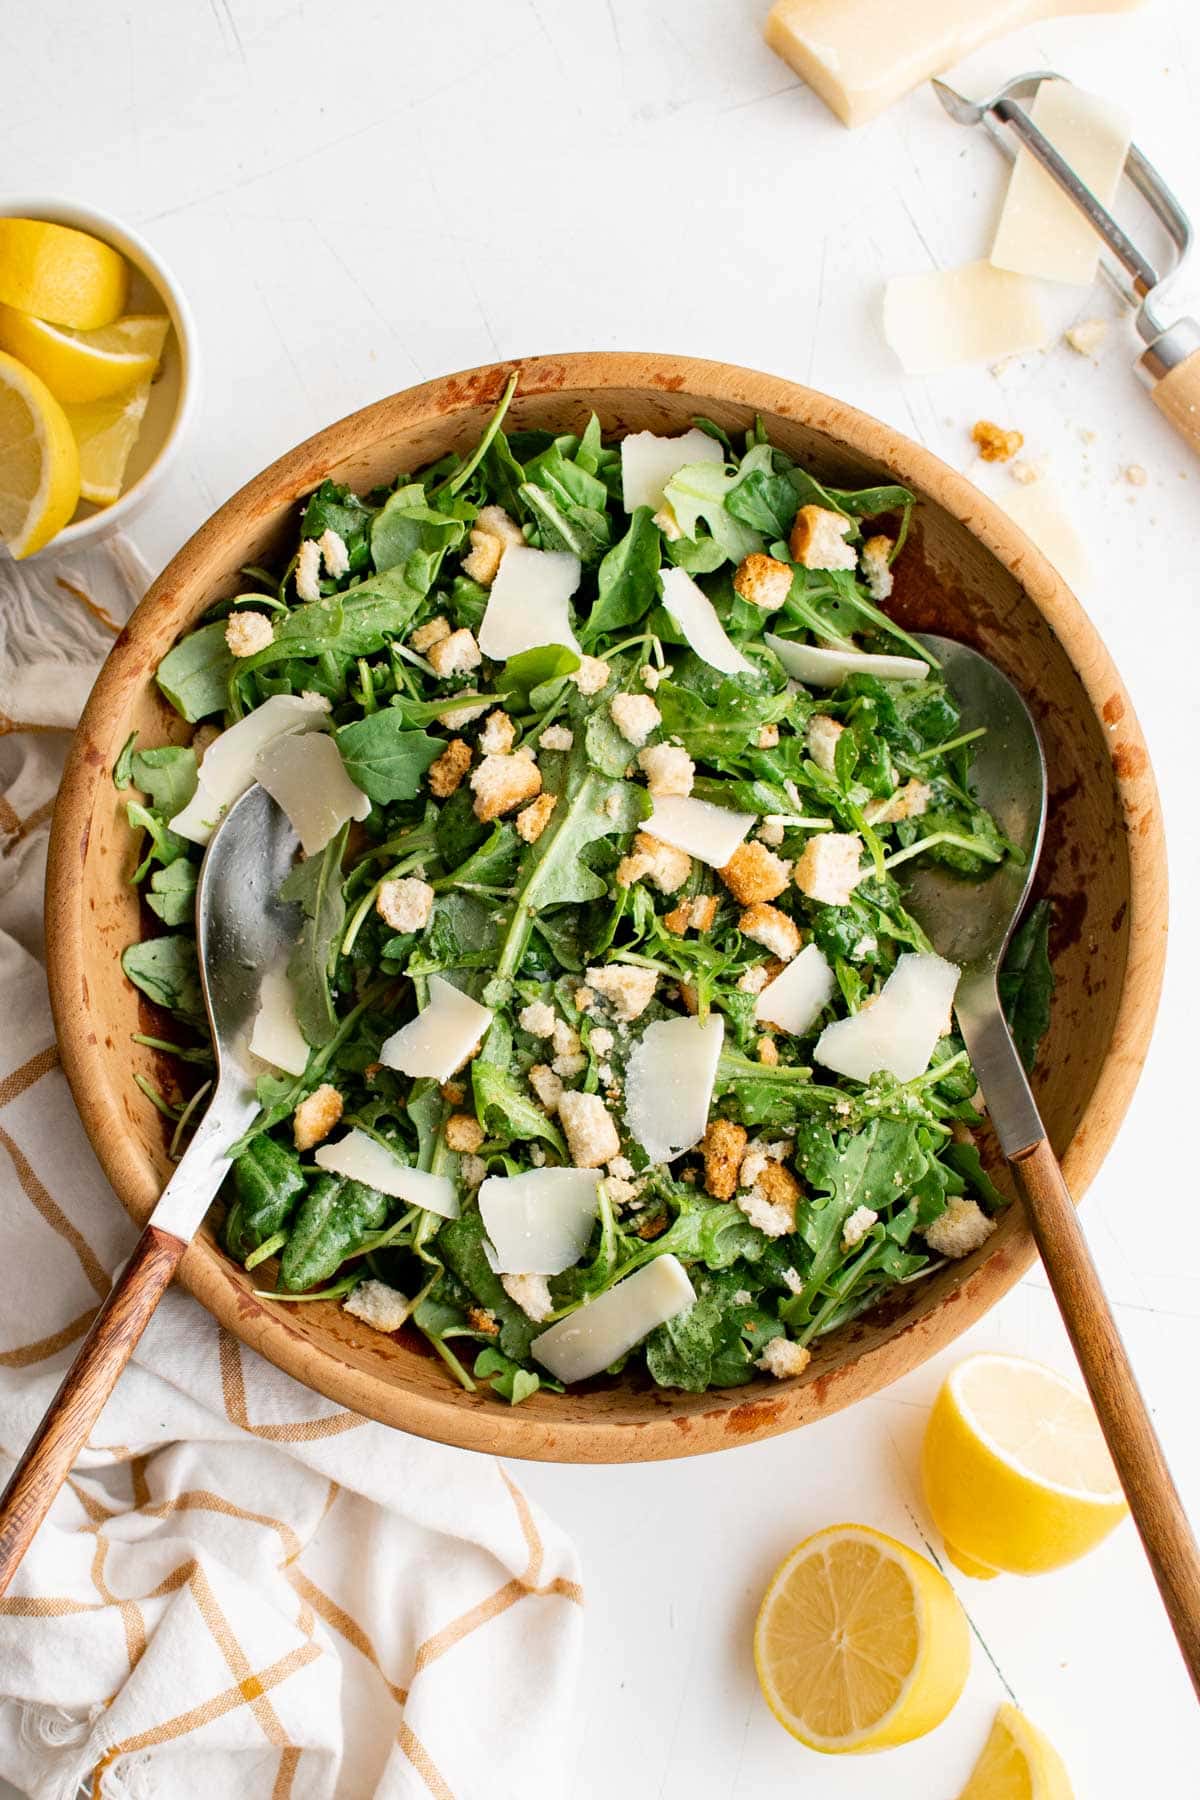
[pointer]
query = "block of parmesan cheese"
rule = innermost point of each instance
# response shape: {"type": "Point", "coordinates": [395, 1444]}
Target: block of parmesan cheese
{"type": "Point", "coordinates": [1040, 232]}
{"type": "Point", "coordinates": [860, 55]}
{"type": "Point", "coordinates": [974, 314]}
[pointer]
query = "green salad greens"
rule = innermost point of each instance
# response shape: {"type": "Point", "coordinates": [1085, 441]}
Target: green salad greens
{"type": "Point", "coordinates": [606, 1034]}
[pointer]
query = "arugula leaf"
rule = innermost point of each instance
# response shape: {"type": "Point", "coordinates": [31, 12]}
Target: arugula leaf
{"type": "Point", "coordinates": [528, 670]}
{"type": "Point", "coordinates": [316, 885]}
{"type": "Point", "coordinates": [510, 1380]}
{"type": "Point", "coordinates": [355, 623]}
{"type": "Point", "coordinates": [383, 759]}
{"type": "Point", "coordinates": [698, 492]}
{"type": "Point", "coordinates": [721, 732]}
{"type": "Point", "coordinates": [173, 892]}
{"type": "Point", "coordinates": [460, 1245]}
{"type": "Point", "coordinates": [1027, 982]}
{"type": "Point", "coordinates": [964, 1160]}
{"type": "Point", "coordinates": [762, 496]}
{"type": "Point", "coordinates": [580, 529]}
{"type": "Point", "coordinates": [123, 767]}
{"type": "Point", "coordinates": [165, 847]}
{"type": "Point", "coordinates": [409, 533]}
{"type": "Point", "coordinates": [168, 776]}
{"type": "Point", "coordinates": [627, 579]}
{"type": "Point", "coordinates": [336, 508]}
{"type": "Point", "coordinates": [715, 1341]}
{"type": "Point", "coordinates": [503, 1107]}
{"type": "Point", "coordinates": [194, 676]}
{"type": "Point", "coordinates": [165, 968]}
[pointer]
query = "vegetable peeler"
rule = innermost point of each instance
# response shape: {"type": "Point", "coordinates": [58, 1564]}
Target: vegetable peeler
{"type": "Point", "coordinates": [1170, 365]}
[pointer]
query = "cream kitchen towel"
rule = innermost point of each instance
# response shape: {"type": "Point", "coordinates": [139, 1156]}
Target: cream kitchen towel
{"type": "Point", "coordinates": [244, 1590]}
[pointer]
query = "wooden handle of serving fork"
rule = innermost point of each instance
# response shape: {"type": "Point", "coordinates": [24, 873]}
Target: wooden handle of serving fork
{"type": "Point", "coordinates": [85, 1387]}
{"type": "Point", "coordinates": [1177, 397]}
{"type": "Point", "coordinates": [1122, 1412]}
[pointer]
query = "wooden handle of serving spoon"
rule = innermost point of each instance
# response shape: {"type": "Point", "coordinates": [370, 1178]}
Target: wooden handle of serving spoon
{"type": "Point", "coordinates": [1122, 1412]}
{"type": "Point", "coordinates": [1177, 397]}
{"type": "Point", "coordinates": [85, 1387]}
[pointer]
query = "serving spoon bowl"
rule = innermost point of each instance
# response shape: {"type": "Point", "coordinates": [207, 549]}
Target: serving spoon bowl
{"type": "Point", "coordinates": [971, 924]}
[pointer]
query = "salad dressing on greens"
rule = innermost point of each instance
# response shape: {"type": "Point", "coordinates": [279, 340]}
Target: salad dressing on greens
{"type": "Point", "coordinates": [607, 766]}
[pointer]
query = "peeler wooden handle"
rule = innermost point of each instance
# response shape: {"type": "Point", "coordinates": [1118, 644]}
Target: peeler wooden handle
{"type": "Point", "coordinates": [1177, 397]}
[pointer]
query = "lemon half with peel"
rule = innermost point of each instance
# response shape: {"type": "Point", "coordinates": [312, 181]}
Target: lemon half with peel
{"type": "Point", "coordinates": [39, 461]}
{"type": "Point", "coordinates": [86, 365]}
{"type": "Point", "coordinates": [860, 1643]}
{"type": "Point", "coordinates": [57, 273]}
{"type": "Point", "coordinates": [1016, 1472]}
{"type": "Point", "coordinates": [1018, 1762]}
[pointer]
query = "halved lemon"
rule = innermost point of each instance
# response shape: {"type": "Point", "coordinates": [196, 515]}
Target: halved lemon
{"type": "Point", "coordinates": [860, 1643]}
{"type": "Point", "coordinates": [1016, 1471]}
{"type": "Point", "coordinates": [66, 276]}
{"type": "Point", "coordinates": [39, 461]}
{"type": "Point", "coordinates": [105, 431]}
{"type": "Point", "coordinates": [1018, 1763]}
{"type": "Point", "coordinates": [86, 365]}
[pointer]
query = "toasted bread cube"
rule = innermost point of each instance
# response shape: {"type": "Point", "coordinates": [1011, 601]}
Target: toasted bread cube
{"type": "Point", "coordinates": [405, 905]}
{"type": "Point", "coordinates": [722, 1147]}
{"type": "Point", "coordinates": [763, 581]}
{"type": "Point", "coordinates": [447, 770]}
{"type": "Point", "coordinates": [876, 566]}
{"type": "Point", "coordinates": [501, 783]}
{"type": "Point", "coordinates": [821, 736]}
{"type": "Point", "coordinates": [818, 539]}
{"type": "Point", "coordinates": [635, 717]}
{"type": "Point", "coordinates": [962, 1228]}
{"type": "Point", "coordinates": [783, 1358]}
{"type": "Point", "coordinates": [454, 655]}
{"type": "Point", "coordinates": [533, 820]}
{"type": "Point", "coordinates": [429, 634]}
{"type": "Point", "coordinates": [246, 633]}
{"type": "Point", "coordinates": [755, 873]}
{"type": "Point", "coordinates": [316, 1116]}
{"type": "Point", "coordinates": [668, 768]}
{"type": "Point", "coordinates": [592, 1138]}
{"type": "Point", "coordinates": [828, 871]}
{"type": "Point", "coordinates": [627, 988]}
{"type": "Point", "coordinates": [770, 928]}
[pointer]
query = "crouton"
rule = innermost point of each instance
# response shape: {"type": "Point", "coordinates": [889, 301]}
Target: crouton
{"type": "Point", "coordinates": [546, 1085]}
{"type": "Point", "coordinates": [533, 820]}
{"type": "Point", "coordinates": [995, 444]}
{"type": "Point", "coordinates": [668, 769]}
{"type": "Point", "coordinates": [315, 1117]}
{"type": "Point", "coordinates": [203, 738]}
{"type": "Point", "coordinates": [454, 655]}
{"type": "Point", "coordinates": [961, 1229]}
{"type": "Point", "coordinates": [537, 1018]}
{"type": "Point", "coordinates": [308, 570]}
{"type": "Point", "coordinates": [556, 737]}
{"type": "Point", "coordinates": [772, 1220]}
{"type": "Point", "coordinates": [501, 783]}
{"type": "Point", "coordinates": [821, 736]}
{"type": "Point", "coordinates": [591, 675]}
{"type": "Point", "coordinates": [767, 738]}
{"type": "Point", "coordinates": [769, 1194]}
{"type": "Point", "coordinates": [722, 1147]}
{"type": "Point", "coordinates": [453, 1091]}
{"type": "Point", "coordinates": [447, 770]}
{"type": "Point", "coordinates": [481, 1318]}
{"type": "Point", "coordinates": [334, 554]}
{"type": "Point", "coordinates": [496, 737]}
{"type": "Point", "coordinates": [695, 914]}
{"type": "Point", "coordinates": [463, 1132]}
{"type": "Point", "coordinates": [429, 634]}
{"type": "Point", "coordinates": [771, 831]}
{"type": "Point", "coordinates": [767, 1052]}
{"type": "Point", "coordinates": [755, 873]}
{"type": "Point", "coordinates": [828, 870]}
{"type": "Point", "coordinates": [818, 539]}
{"type": "Point", "coordinates": [565, 1038]}
{"type": "Point", "coordinates": [876, 568]}
{"type": "Point", "coordinates": [635, 716]}
{"type": "Point", "coordinates": [690, 998]}
{"type": "Point", "coordinates": [531, 1293]}
{"type": "Point", "coordinates": [857, 1226]}
{"type": "Point", "coordinates": [770, 928]}
{"type": "Point", "coordinates": [628, 989]}
{"type": "Point", "coordinates": [585, 999]}
{"type": "Point", "coordinates": [650, 676]}
{"type": "Point", "coordinates": [473, 1169]}
{"type": "Point", "coordinates": [783, 1358]}
{"type": "Point", "coordinates": [569, 1064]}
{"type": "Point", "coordinates": [592, 1138]}
{"type": "Point", "coordinates": [381, 1307]}
{"type": "Point", "coordinates": [406, 904]}
{"type": "Point", "coordinates": [1087, 336]}
{"type": "Point", "coordinates": [754, 979]}
{"type": "Point", "coordinates": [908, 802]}
{"type": "Point", "coordinates": [763, 581]}
{"type": "Point", "coordinates": [621, 1169]}
{"type": "Point", "coordinates": [665, 867]}
{"type": "Point", "coordinates": [246, 633]}
{"type": "Point", "coordinates": [667, 523]}
{"type": "Point", "coordinates": [482, 561]}
{"type": "Point", "coordinates": [777, 1184]}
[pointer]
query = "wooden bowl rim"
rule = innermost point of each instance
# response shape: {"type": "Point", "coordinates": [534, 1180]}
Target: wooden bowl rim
{"type": "Point", "coordinates": [207, 1273]}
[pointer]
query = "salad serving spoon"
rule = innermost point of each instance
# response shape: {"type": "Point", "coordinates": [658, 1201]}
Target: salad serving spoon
{"type": "Point", "coordinates": [971, 925]}
{"type": "Point", "coordinates": [242, 930]}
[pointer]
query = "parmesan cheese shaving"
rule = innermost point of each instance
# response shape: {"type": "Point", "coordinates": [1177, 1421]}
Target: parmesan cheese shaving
{"type": "Point", "coordinates": [795, 999]}
{"type": "Point", "coordinates": [669, 1083]}
{"type": "Point", "coordinates": [897, 1030]}
{"type": "Point", "coordinates": [711, 833]}
{"type": "Point", "coordinates": [307, 778]}
{"type": "Point", "coordinates": [539, 1223]}
{"type": "Point", "coordinates": [1040, 232]}
{"type": "Point", "coordinates": [588, 1340]}
{"type": "Point", "coordinates": [229, 761]}
{"type": "Point", "coordinates": [360, 1157]}
{"type": "Point", "coordinates": [974, 314]}
{"type": "Point", "coordinates": [648, 463]}
{"type": "Point", "coordinates": [829, 668]}
{"type": "Point", "coordinates": [696, 617]}
{"type": "Point", "coordinates": [527, 605]}
{"type": "Point", "coordinates": [441, 1037]}
{"type": "Point", "coordinates": [276, 1036]}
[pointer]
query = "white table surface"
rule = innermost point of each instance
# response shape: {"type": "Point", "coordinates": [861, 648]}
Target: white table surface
{"type": "Point", "coordinates": [361, 196]}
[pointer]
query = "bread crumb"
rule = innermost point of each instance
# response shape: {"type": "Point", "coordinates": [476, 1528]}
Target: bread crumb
{"type": "Point", "coordinates": [1135, 475]}
{"type": "Point", "coordinates": [246, 633]}
{"type": "Point", "coordinates": [1025, 472]}
{"type": "Point", "coordinates": [316, 1116]}
{"type": "Point", "coordinates": [1087, 336]}
{"type": "Point", "coordinates": [995, 443]}
{"type": "Point", "coordinates": [447, 770]}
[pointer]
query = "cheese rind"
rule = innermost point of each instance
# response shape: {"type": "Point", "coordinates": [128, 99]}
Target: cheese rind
{"type": "Point", "coordinates": [669, 1083]}
{"type": "Point", "coordinates": [360, 1157]}
{"type": "Point", "coordinates": [1040, 232]}
{"type": "Point", "coordinates": [860, 55]}
{"type": "Point", "coordinates": [588, 1340]}
{"type": "Point", "coordinates": [441, 1037]}
{"type": "Point", "coordinates": [539, 1222]}
{"type": "Point", "coordinates": [696, 617]}
{"type": "Point", "coordinates": [710, 833]}
{"type": "Point", "coordinates": [527, 606]}
{"type": "Point", "coordinates": [829, 668]}
{"type": "Point", "coordinates": [973, 314]}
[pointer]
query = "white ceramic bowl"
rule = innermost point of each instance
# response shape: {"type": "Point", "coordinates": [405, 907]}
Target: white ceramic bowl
{"type": "Point", "coordinates": [175, 394]}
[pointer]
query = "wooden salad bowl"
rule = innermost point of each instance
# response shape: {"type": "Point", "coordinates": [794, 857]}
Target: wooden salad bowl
{"type": "Point", "coordinates": [967, 571]}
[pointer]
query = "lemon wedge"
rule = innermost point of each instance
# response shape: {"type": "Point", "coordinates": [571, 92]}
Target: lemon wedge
{"type": "Point", "coordinates": [860, 1643]}
{"type": "Point", "coordinates": [1016, 1472]}
{"type": "Point", "coordinates": [85, 365]}
{"type": "Point", "coordinates": [105, 431]}
{"type": "Point", "coordinates": [1018, 1763]}
{"type": "Point", "coordinates": [66, 276]}
{"type": "Point", "coordinates": [39, 462]}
